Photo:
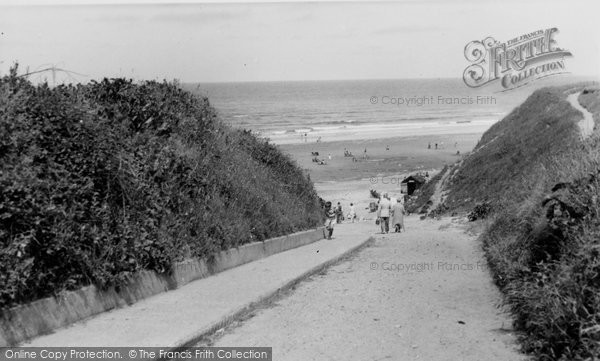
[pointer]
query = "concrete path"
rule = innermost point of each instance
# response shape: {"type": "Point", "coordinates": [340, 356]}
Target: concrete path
{"type": "Point", "coordinates": [586, 125]}
{"type": "Point", "coordinates": [178, 317]}
{"type": "Point", "coordinates": [421, 295]}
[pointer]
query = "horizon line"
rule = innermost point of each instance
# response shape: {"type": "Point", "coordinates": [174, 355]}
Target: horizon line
{"type": "Point", "coordinates": [597, 77]}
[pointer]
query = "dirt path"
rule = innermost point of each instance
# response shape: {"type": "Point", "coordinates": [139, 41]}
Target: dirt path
{"type": "Point", "coordinates": [586, 125]}
{"type": "Point", "coordinates": [420, 295]}
{"type": "Point", "coordinates": [438, 195]}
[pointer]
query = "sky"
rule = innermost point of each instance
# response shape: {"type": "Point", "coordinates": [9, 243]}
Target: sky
{"type": "Point", "coordinates": [223, 42]}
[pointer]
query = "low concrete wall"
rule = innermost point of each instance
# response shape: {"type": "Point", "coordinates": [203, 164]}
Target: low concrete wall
{"type": "Point", "coordinates": [40, 317]}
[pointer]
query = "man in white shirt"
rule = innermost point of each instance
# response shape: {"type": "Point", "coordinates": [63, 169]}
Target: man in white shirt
{"type": "Point", "coordinates": [383, 213]}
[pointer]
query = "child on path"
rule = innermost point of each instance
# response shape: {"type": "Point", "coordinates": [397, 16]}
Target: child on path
{"type": "Point", "coordinates": [330, 216]}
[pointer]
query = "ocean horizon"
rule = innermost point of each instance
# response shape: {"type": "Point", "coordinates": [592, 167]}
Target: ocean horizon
{"type": "Point", "coordinates": [290, 112]}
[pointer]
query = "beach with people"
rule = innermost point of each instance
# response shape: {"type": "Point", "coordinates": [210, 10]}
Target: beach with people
{"type": "Point", "coordinates": [388, 156]}
{"type": "Point", "coordinates": [349, 175]}
{"type": "Point", "coordinates": [291, 180]}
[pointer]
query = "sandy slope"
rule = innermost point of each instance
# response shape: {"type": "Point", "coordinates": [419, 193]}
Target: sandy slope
{"type": "Point", "coordinates": [421, 295]}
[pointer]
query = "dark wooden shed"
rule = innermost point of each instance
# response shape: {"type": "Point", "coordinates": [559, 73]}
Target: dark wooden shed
{"type": "Point", "coordinates": [411, 183]}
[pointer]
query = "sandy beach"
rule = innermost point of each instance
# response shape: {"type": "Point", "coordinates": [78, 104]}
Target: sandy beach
{"type": "Point", "coordinates": [385, 157]}
{"type": "Point", "coordinates": [388, 162]}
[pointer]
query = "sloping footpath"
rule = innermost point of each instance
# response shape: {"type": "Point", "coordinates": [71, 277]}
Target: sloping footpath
{"type": "Point", "coordinates": [180, 317]}
{"type": "Point", "coordinates": [586, 124]}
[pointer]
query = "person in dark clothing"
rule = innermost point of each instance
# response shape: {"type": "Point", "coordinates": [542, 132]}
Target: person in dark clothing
{"type": "Point", "coordinates": [339, 214]}
{"type": "Point", "coordinates": [329, 219]}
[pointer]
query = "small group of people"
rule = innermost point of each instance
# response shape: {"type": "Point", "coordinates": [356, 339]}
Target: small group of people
{"type": "Point", "coordinates": [335, 215]}
{"type": "Point", "coordinates": [339, 211]}
{"type": "Point", "coordinates": [390, 213]}
{"type": "Point", "coordinates": [319, 161]}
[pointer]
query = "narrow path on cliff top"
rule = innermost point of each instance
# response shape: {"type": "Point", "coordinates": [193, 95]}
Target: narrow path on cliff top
{"type": "Point", "coordinates": [586, 125]}
{"type": "Point", "coordinates": [424, 294]}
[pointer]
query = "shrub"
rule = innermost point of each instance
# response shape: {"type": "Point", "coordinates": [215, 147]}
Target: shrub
{"type": "Point", "coordinates": [101, 180]}
{"type": "Point", "coordinates": [481, 211]}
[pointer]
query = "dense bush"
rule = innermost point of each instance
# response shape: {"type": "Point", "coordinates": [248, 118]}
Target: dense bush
{"type": "Point", "coordinates": [480, 211]}
{"type": "Point", "coordinates": [98, 181]}
{"type": "Point", "coordinates": [545, 255]}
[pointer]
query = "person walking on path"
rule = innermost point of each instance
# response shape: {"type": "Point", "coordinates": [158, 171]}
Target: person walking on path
{"type": "Point", "coordinates": [383, 213]}
{"type": "Point", "coordinates": [398, 217]}
{"type": "Point", "coordinates": [330, 216]}
{"type": "Point", "coordinates": [339, 214]}
{"type": "Point", "coordinates": [352, 214]}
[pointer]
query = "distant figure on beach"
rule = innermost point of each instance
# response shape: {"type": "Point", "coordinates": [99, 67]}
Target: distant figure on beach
{"type": "Point", "coordinates": [398, 217]}
{"type": "Point", "coordinates": [429, 145]}
{"type": "Point", "coordinates": [329, 219]}
{"type": "Point", "coordinates": [319, 140]}
{"type": "Point", "coordinates": [305, 137]}
{"type": "Point", "coordinates": [352, 214]}
{"type": "Point", "coordinates": [329, 156]}
{"type": "Point", "coordinates": [339, 214]}
{"type": "Point", "coordinates": [383, 213]}
{"type": "Point", "coordinates": [455, 144]}
{"type": "Point", "coordinates": [458, 152]}
{"type": "Point", "coordinates": [387, 147]}
{"type": "Point", "coordinates": [365, 154]}
{"type": "Point", "coordinates": [436, 146]}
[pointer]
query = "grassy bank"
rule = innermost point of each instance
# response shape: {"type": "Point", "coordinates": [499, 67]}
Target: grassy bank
{"type": "Point", "coordinates": [543, 238]}
{"type": "Point", "coordinates": [101, 180]}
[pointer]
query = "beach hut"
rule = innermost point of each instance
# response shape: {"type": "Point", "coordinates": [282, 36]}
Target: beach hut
{"type": "Point", "coordinates": [411, 184]}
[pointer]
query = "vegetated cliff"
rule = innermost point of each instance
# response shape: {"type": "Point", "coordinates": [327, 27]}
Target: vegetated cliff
{"type": "Point", "coordinates": [541, 182]}
{"type": "Point", "coordinates": [100, 180]}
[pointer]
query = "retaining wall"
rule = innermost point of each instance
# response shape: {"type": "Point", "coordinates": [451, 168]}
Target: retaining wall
{"type": "Point", "coordinates": [40, 317]}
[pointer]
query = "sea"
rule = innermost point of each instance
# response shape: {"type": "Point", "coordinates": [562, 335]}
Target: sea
{"type": "Point", "coordinates": [294, 111]}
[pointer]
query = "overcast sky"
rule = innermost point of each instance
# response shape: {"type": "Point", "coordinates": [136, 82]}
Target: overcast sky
{"type": "Point", "coordinates": [281, 41]}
